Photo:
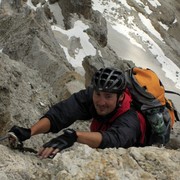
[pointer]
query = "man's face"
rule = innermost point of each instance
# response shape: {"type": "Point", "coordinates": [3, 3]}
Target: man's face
{"type": "Point", "coordinates": [104, 102]}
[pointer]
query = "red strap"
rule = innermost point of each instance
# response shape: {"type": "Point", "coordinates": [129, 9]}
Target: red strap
{"type": "Point", "coordinates": [142, 127]}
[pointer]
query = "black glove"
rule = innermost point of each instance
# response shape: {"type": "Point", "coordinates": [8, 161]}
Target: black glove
{"type": "Point", "coordinates": [63, 141]}
{"type": "Point", "coordinates": [21, 133]}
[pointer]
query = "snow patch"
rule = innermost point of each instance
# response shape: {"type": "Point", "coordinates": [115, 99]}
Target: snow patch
{"type": "Point", "coordinates": [87, 47]}
{"type": "Point", "coordinates": [164, 26]}
{"type": "Point", "coordinates": [175, 21]}
{"type": "Point", "coordinates": [148, 24]}
{"type": "Point", "coordinates": [154, 3]}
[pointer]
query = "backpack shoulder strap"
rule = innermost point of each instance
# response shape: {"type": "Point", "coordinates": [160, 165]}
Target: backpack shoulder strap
{"type": "Point", "coordinates": [172, 92]}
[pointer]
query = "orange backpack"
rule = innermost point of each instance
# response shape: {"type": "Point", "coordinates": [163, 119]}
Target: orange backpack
{"type": "Point", "coordinates": [148, 95]}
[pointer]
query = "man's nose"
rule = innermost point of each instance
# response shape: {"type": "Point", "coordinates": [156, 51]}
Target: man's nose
{"type": "Point", "coordinates": [101, 101]}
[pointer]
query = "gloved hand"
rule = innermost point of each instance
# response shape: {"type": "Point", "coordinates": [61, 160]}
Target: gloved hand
{"type": "Point", "coordinates": [21, 133]}
{"type": "Point", "coordinates": [63, 141]}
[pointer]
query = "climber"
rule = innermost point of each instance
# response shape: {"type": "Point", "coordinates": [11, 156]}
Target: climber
{"type": "Point", "coordinates": [107, 102]}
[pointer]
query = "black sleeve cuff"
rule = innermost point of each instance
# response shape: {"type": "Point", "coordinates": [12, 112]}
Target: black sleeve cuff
{"type": "Point", "coordinates": [102, 146]}
{"type": "Point", "coordinates": [53, 127]}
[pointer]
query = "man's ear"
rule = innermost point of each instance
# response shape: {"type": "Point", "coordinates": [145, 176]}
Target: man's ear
{"type": "Point", "coordinates": [121, 97]}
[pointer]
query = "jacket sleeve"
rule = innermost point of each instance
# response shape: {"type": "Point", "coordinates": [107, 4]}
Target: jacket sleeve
{"type": "Point", "coordinates": [64, 113]}
{"type": "Point", "coordinates": [125, 132]}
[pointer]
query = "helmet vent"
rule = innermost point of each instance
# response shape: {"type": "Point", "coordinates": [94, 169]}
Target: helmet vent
{"type": "Point", "coordinates": [109, 80]}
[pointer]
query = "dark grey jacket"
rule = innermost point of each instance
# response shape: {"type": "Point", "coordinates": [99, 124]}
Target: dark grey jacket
{"type": "Point", "coordinates": [124, 132]}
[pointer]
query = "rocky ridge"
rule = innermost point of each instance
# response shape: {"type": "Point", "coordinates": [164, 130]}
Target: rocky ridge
{"type": "Point", "coordinates": [34, 74]}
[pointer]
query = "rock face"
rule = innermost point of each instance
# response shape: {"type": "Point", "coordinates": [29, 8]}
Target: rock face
{"type": "Point", "coordinates": [35, 74]}
{"type": "Point", "coordinates": [31, 41]}
{"type": "Point", "coordinates": [83, 8]}
{"type": "Point", "coordinates": [165, 13]}
{"type": "Point", "coordinates": [82, 162]}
